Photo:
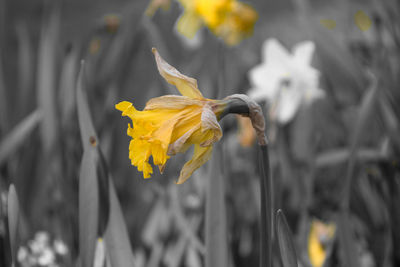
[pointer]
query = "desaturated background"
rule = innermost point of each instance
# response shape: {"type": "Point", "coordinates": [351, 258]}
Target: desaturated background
{"type": "Point", "coordinates": [351, 133]}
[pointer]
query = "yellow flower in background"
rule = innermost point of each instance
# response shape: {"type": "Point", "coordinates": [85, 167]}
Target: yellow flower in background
{"type": "Point", "coordinates": [246, 134]}
{"type": "Point", "coordinates": [328, 23]}
{"type": "Point", "coordinates": [319, 238]}
{"type": "Point", "coordinates": [155, 5]}
{"type": "Point", "coordinates": [171, 124]}
{"type": "Point", "coordinates": [238, 25]}
{"type": "Point", "coordinates": [362, 21]}
{"type": "Point", "coordinates": [229, 19]}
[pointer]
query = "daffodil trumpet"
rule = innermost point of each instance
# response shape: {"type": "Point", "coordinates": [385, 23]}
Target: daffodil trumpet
{"type": "Point", "coordinates": [171, 124]}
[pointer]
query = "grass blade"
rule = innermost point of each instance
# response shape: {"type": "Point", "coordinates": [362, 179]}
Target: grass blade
{"type": "Point", "coordinates": [116, 236]}
{"type": "Point", "coordinates": [25, 67]}
{"type": "Point", "coordinates": [216, 235]}
{"type": "Point", "coordinates": [18, 135]}
{"type": "Point", "coordinates": [88, 133]}
{"type": "Point", "coordinates": [88, 208]}
{"type": "Point", "coordinates": [285, 241]}
{"type": "Point", "coordinates": [108, 212]}
{"type": "Point", "coordinates": [3, 97]}
{"type": "Point", "coordinates": [67, 97]}
{"type": "Point", "coordinates": [13, 219]}
{"type": "Point", "coordinates": [346, 234]}
{"type": "Point", "coordinates": [93, 183]}
{"type": "Point", "coordinates": [46, 80]}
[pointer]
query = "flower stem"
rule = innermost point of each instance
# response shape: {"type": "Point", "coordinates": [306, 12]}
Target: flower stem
{"type": "Point", "coordinates": [266, 209]}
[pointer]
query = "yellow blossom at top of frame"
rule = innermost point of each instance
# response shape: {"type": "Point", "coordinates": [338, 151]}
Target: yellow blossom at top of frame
{"type": "Point", "coordinates": [320, 236]}
{"type": "Point", "coordinates": [229, 19]}
{"type": "Point", "coordinates": [171, 124]}
{"type": "Point", "coordinates": [155, 5]}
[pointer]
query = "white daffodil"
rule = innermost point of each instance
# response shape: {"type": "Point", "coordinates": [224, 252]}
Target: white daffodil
{"type": "Point", "coordinates": [285, 80]}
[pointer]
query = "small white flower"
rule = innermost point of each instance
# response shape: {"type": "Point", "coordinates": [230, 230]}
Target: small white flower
{"type": "Point", "coordinates": [60, 247]}
{"type": "Point", "coordinates": [22, 254]}
{"type": "Point", "coordinates": [284, 80]}
{"type": "Point", "coordinates": [42, 238]}
{"type": "Point", "coordinates": [47, 257]}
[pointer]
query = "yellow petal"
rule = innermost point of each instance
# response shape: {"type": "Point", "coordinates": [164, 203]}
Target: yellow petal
{"type": "Point", "coordinates": [200, 156]}
{"type": "Point", "coordinates": [362, 21]}
{"type": "Point", "coordinates": [124, 105]}
{"type": "Point", "coordinates": [180, 145]}
{"type": "Point", "coordinates": [315, 250]}
{"type": "Point", "coordinates": [209, 122]}
{"type": "Point", "coordinates": [172, 102]}
{"type": "Point", "coordinates": [187, 86]}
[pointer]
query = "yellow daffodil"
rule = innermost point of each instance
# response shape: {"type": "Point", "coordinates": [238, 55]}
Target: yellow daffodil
{"type": "Point", "coordinates": [229, 19]}
{"type": "Point", "coordinates": [320, 236]}
{"type": "Point", "coordinates": [171, 124]}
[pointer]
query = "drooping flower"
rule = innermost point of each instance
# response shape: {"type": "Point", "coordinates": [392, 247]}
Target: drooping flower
{"type": "Point", "coordinates": [319, 239]}
{"type": "Point", "coordinates": [229, 19]}
{"type": "Point", "coordinates": [171, 124]}
{"type": "Point", "coordinates": [285, 80]}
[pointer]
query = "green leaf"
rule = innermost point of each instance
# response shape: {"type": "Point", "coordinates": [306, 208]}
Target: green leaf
{"type": "Point", "coordinates": [25, 67]}
{"type": "Point", "coordinates": [13, 219]}
{"type": "Point", "coordinates": [68, 76]}
{"type": "Point", "coordinates": [285, 241]}
{"type": "Point", "coordinates": [216, 229]}
{"type": "Point", "coordinates": [18, 135]}
{"type": "Point", "coordinates": [116, 236]}
{"type": "Point", "coordinates": [88, 134]}
{"type": "Point", "coordinates": [94, 203]}
{"type": "Point", "coordinates": [105, 207]}
{"type": "Point", "coordinates": [88, 207]}
{"type": "Point", "coordinates": [46, 79]}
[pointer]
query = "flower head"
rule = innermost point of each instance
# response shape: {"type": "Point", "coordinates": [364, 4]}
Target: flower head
{"type": "Point", "coordinates": [229, 19]}
{"type": "Point", "coordinates": [171, 124]}
{"type": "Point", "coordinates": [285, 80]}
{"type": "Point", "coordinates": [320, 236]}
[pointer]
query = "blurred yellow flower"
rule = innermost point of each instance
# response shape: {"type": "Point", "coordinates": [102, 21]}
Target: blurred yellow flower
{"type": "Point", "coordinates": [171, 124]}
{"type": "Point", "coordinates": [155, 5]}
{"type": "Point", "coordinates": [229, 19]}
{"type": "Point", "coordinates": [328, 23]}
{"type": "Point", "coordinates": [320, 236]}
{"type": "Point", "coordinates": [247, 134]}
{"type": "Point", "coordinates": [362, 21]}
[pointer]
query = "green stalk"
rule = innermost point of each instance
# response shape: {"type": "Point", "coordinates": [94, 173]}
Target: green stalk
{"type": "Point", "coordinates": [243, 105]}
{"type": "Point", "coordinates": [266, 209]}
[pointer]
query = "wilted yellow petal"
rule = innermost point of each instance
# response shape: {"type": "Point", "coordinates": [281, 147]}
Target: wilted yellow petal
{"type": "Point", "coordinates": [362, 20]}
{"type": "Point", "coordinates": [187, 86]}
{"type": "Point", "coordinates": [180, 145]}
{"type": "Point", "coordinates": [200, 156]}
{"type": "Point", "coordinates": [328, 23]}
{"type": "Point", "coordinates": [172, 102]}
{"type": "Point", "coordinates": [210, 123]}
